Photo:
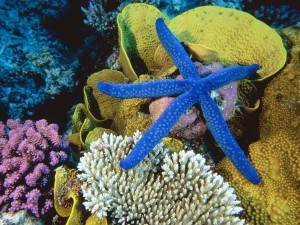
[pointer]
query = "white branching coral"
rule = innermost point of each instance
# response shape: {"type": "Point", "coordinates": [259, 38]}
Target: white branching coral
{"type": "Point", "coordinates": [163, 189]}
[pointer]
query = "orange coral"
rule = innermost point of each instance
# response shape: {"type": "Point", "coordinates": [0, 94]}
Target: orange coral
{"type": "Point", "coordinates": [276, 156]}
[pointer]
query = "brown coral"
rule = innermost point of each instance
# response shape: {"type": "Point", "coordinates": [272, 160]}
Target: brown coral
{"type": "Point", "coordinates": [276, 155]}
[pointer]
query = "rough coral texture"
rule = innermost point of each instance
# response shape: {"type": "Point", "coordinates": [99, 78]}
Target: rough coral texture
{"type": "Point", "coordinates": [106, 105]}
{"type": "Point", "coordinates": [162, 189]}
{"type": "Point", "coordinates": [255, 42]}
{"type": "Point", "coordinates": [243, 39]}
{"type": "Point", "coordinates": [19, 218]}
{"type": "Point", "coordinates": [276, 155]}
{"type": "Point", "coordinates": [67, 196]}
{"type": "Point", "coordinates": [29, 153]}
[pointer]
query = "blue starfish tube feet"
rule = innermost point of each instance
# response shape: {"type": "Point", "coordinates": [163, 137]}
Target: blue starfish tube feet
{"type": "Point", "coordinates": [192, 90]}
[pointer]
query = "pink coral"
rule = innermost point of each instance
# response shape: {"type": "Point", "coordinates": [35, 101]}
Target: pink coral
{"type": "Point", "coordinates": [29, 153]}
{"type": "Point", "coordinates": [191, 125]}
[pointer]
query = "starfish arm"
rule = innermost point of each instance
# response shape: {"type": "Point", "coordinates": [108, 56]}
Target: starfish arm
{"type": "Point", "coordinates": [150, 89]}
{"type": "Point", "coordinates": [158, 130]}
{"type": "Point", "coordinates": [229, 74]}
{"type": "Point", "coordinates": [219, 129]}
{"type": "Point", "coordinates": [176, 51]}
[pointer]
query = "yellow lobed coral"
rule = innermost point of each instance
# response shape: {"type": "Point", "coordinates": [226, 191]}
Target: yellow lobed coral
{"type": "Point", "coordinates": [236, 36]}
{"type": "Point", "coordinates": [67, 199]}
{"type": "Point", "coordinates": [101, 112]}
{"type": "Point", "coordinates": [130, 116]}
{"type": "Point", "coordinates": [276, 156]}
{"type": "Point", "coordinates": [211, 33]}
{"type": "Point", "coordinates": [138, 19]}
{"type": "Point", "coordinates": [107, 105]}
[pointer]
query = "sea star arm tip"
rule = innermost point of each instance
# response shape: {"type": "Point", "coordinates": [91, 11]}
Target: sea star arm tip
{"type": "Point", "coordinates": [224, 138]}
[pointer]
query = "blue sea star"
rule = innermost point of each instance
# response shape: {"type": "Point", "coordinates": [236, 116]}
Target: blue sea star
{"type": "Point", "coordinates": [191, 90]}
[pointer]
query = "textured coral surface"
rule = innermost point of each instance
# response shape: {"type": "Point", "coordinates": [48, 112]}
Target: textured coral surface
{"type": "Point", "coordinates": [277, 154]}
{"type": "Point", "coordinates": [163, 189]}
{"type": "Point", "coordinates": [29, 153]}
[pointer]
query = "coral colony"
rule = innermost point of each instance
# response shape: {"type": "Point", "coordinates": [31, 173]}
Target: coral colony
{"type": "Point", "coordinates": [163, 189]}
{"type": "Point", "coordinates": [192, 89]}
{"type": "Point", "coordinates": [29, 153]}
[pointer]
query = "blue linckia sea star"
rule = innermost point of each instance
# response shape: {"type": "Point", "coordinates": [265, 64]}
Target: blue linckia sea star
{"type": "Point", "coordinates": [193, 89]}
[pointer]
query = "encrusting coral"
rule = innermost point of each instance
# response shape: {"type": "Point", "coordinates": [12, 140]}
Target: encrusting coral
{"type": "Point", "coordinates": [163, 189]}
{"type": "Point", "coordinates": [29, 153]}
{"type": "Point", "coordinates": [276, 155]}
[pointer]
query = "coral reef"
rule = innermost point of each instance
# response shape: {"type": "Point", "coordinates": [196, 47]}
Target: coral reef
{"type": "Point", "coordinates": [103, 113]}
{"type": "Point", "coordinates": [68, 199]}
{"type": "Point", "coordinates": [101, 15]}
{"type": "Point", "coordinates": [276, 154]}
{"type": "Point", "coordinates": [29, 153]}
{"type": "Point", "coordinates": [163, 189]}
{"type": "Point", "coordinates": [67, 187]}
{"type": "Point", "coordinates": [279, 14]}
{"type": "Point", "coordinates": [199, 29]}
{"type": "Point", "coordinates": [193, 89]}
{"type": "Point", "coordinates": [35, 66]}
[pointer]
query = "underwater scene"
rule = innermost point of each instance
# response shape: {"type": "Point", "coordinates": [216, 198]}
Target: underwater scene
{"type": "Point", "coordinates": [152, 112]}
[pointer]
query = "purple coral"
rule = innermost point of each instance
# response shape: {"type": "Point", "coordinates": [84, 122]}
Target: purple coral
{"type": "Point", "coordinates": [191, 125]}
{"type": "Point", "coordinates": [29, 152]}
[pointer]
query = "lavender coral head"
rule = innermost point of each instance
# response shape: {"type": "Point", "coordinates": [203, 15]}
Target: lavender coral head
{"type": "Point", "coordinates": [29, 152]}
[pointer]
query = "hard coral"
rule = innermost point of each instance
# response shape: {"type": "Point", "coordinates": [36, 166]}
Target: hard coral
{"type": "Point", "coordinates": [276, 155]}
{"type": "Point", "coordinates": [193, 89]}
{"type": "Point", "coordinates": [163, 189]}
{"type": "Point", "coordinates": [28, 154]}
{"type": "Point", "coordinates": [67, 187]}
{"type": "Point", "coordinates": [243, 39]}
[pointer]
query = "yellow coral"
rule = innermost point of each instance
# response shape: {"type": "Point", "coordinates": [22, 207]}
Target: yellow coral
{"type": "Point", "coordinates": [107, 105]}
{"type": "Point", "coordinates": [94, 220]}
{"type": "Point", "coordinates": [276, 200]}
{"type": "Point", "coordinates": [276, 155]}
{"type": "Point", "coordinates": [67, 199]}
{"type": "Point", "coordinates": [137, 37]}
{"type": "Point", "coordinates": [211, 33]}
{"type": "Point", "coordinates": [237, 37]}
{"type": "Point", "coordinates": [130, 116]}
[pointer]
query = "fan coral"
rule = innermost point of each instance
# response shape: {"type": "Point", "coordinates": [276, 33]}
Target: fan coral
{"type": "Point", "coordinates": [163, 189]}
{"type": "Point", "coordinates": [28, 154]}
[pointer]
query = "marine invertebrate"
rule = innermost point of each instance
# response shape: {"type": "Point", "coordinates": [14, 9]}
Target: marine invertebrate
{"type": "Point", "coordinates": [190, 125]}
{"type": "Point", "coordinates": [163, 189]}
{"type": "Point", "coordinates": [199, 30]}
{"type": "Point", "coordinates": [67, 187]}
{"type": "Point", "coordinates": [193, 89]}
{"type": "Point", "coordinates": [28, 154]}
{"type": "Point", "coordinates": [276, 154]}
